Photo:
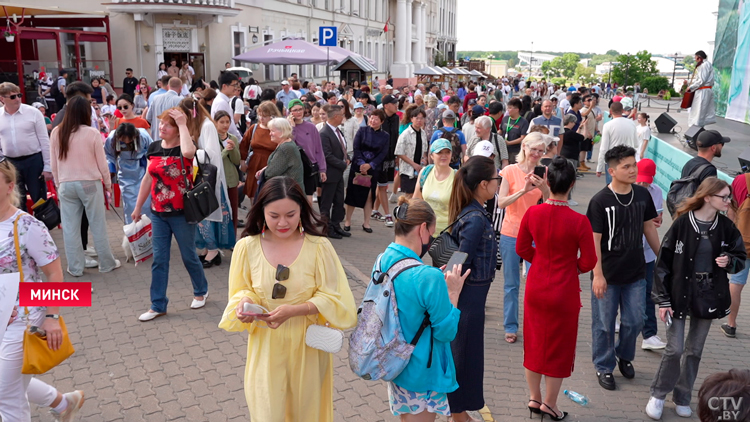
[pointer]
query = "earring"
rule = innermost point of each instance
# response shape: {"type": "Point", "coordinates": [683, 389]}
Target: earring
{"type": "Point", "coordinates": [301, 229]}
{"type": "Point", "coordinates": [263, 232]}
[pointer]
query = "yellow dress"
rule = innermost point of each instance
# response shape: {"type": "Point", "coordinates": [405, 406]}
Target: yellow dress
{"type": "Point", "coordinates": [285, 380]}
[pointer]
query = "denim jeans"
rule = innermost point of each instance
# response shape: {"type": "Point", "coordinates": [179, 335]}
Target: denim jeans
{"type": "Point", "coordinates": [672, 376]}
{"type": "Point", "coordinates": [75, 197]}
{"type": "Point", "coordinates": [512, 280]}
{"type": "Point", "coordinates": [163, 228]}
{"type": "Point", "coordinates": [649, 317]}
{"type": "Point", "coordinates": [630, 298]}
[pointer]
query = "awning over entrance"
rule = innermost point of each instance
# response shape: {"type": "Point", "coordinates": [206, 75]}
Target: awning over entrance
{"type": "Point", "coordinates": [22, 11]}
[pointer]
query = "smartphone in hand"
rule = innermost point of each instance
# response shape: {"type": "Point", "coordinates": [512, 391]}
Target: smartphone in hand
{"type": "Point", "coordinates": [458, 258]}
{"type": "Point", "coordinates": [540, 171]}
{"type": "Point", "coordinates": [668, 320]}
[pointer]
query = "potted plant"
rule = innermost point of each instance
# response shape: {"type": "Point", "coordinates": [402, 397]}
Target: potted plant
{"type": "Point", "coordinates": [9, 35]}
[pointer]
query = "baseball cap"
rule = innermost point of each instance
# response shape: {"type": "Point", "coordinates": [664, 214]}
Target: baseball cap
{"type": "Point", "coordinates": [646, 171]}
{"type": "Point", "coordinates": [285, 82]}
{"type": "Point", "coordinates": [38, 105]}
{"type": "Point", "coordinates": [358, 105]}
{"type": "Point", "coordinates": [388, 87]}
{"type": "Point", "coordinates": [708, 138]}
{"type": "Point", "coordinates": [484, 149]}
{"type": "Point", "coordinates": [449, 114]}
{"type": "Point", "coordinates": [477, 110]}
{"type": "Point", "coordinates": [295, 102]}
{"type": "Point", "coordinates": [442, 107]}
{"type": "Point", "coordinates": [318, 94]}
{"type": "Point", "coordinates": [439, 145]}
{"type": "Point", "coordinates": [389, 99]}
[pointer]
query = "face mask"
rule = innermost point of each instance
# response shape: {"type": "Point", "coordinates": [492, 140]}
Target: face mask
{"type": "Point", "coordinates": [426, 247]}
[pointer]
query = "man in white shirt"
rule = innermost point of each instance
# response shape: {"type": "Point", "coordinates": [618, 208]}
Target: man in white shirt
{"type": "Point", "coordinates": [228, 83]}
{"type": "Point", "coordinates": [565, 102]}
{"type": "Point", "coordinates": [162, 103]}
{"type": "Point", "coordinates": [618, 131]}
{"type": "Point", "coordinates": [25, 143]}
{"type": "Point", "coordinates": [420, 90]}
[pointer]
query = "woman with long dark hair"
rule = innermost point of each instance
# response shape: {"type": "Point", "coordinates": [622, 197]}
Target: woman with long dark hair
{"type": "Point", "coordinates": [475, 183]}
{"type": "Point", "coordinates": [79, 167]}
{"type": "Point", "coordinates": [285, 264]}
{"type": "Point", "coordinates": [553, 299]}
{"type": "Point", "coordinates": [164, 183]}
{"type": "Point", "coordinates": [691, 279]}
{"type": "Point", "coordinates": [126, 150]}
{"type": "Point", "coordinates": [370, 149]}
{"type": "Point", "coordinates": [162, 70]}
{"type": "Point", "coordinates": [527, 111]}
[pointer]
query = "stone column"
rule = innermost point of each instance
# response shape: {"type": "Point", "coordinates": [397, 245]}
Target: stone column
{"type": "Point", "coordinates": [400, 68]}
{"type": "Point", "coordinates": [422, 35]}
{"type": "Point", "coordinates": [408, 49]}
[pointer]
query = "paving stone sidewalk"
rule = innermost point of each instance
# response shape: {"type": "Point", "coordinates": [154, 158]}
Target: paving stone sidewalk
{"type": "Point", "coordinates": [182, 367]}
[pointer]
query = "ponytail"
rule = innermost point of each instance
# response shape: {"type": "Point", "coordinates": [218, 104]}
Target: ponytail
{"type": "Point", "coordinates": [468, 177]}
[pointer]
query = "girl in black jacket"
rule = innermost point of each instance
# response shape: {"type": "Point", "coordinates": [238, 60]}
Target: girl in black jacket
{"type": "Point", "coordinates": [698, 251]}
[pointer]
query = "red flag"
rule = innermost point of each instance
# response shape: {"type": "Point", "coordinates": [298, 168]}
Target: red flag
{"type": "Point", "coordinates": [386, 24]}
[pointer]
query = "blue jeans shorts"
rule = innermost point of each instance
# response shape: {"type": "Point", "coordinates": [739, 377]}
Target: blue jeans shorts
{"type": "Point", "coordinates": [741, 277]}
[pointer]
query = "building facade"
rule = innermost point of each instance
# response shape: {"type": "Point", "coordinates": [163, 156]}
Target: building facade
{"type": "Point", "coordinates": [400, 36]}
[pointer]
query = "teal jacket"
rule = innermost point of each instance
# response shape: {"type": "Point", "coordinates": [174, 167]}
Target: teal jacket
{"type": "Point", "coordinates": [418, 290]}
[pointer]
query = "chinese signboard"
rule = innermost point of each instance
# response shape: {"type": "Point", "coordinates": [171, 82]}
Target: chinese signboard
{"type": "Point", "coordinates": [175, 39]}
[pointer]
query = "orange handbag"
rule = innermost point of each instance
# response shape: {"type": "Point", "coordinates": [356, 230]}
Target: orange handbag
{"type": "Point", "coordinates": [38, 358]}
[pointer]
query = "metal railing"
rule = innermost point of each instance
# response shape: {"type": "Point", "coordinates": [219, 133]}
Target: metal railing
{"type": "Point", "coordinates": [210, 3]}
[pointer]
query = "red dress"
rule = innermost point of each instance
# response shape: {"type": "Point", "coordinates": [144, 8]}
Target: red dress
{"type": "Point", "coordinates": [553, 300]}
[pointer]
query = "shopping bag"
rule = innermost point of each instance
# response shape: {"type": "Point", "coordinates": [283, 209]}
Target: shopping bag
{"type": "Point", "coordinates": [139, 238]}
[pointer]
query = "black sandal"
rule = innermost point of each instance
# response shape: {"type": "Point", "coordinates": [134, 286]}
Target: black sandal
{"type": "Point", "coordinates": [536, 410]}
{"type": "Point", "coordinates": [552, 415]}
{"type": "Point", "coordinates": [347, 228]}
{"type": "Point", "coordinates": [367, 229]}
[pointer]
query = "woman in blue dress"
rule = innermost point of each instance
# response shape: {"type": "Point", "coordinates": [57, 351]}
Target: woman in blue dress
{"type": "Point", "coordinates": [126, 154]}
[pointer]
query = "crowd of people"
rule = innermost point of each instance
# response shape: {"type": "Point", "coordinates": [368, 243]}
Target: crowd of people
{"type": "Point", "coordinates": [490, 166]}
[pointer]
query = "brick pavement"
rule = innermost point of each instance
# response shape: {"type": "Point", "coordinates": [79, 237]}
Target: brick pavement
{"type": "Point", "coordinates": [182, 367]}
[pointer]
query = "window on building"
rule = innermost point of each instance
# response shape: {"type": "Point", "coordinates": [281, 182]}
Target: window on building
{"type": "Point", "coordinates": [239, 42]}
{"type": "Point", "coordinates": [361, 49]}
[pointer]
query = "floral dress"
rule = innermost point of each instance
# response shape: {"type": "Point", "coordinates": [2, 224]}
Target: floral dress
{"type": "Point", "coordinates": [37, 250]}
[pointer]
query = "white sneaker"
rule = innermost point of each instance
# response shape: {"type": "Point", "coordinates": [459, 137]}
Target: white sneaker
{"type": "Point", "coordinates": [79, 275]}
{"type": "Point", "coordinates": [684, 411]}
{"type": "Point", "coordinates": [197, 304]}
{"type": "Point", "coordinates": [572, 203]}
{"type": "Point", "coordinates": [393, 198]}
{"type": "Point", "coordinates": [75, 400]}
{"type": "Point", "coordinates": [91, 263]}
{"type": "Point", "coordinates": [653, 343]}
{"type": "Point", "coordinates": [149, 315]}
{"type": "Point", "coordinates": [90, 251]}
{"type": "Point", "coordinates": [118, 264]}
{"type": "Point", "coordinates": [617, 326]}
{"type": "Point", "coordinates": [654, 408]}
{"type": "Point", "coordinates": [315, 198]}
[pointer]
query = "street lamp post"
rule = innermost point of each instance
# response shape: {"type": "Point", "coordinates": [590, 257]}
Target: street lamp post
{"type": "Point", "coordinates": [531, 59]}
{"type": "Point", "coordinates": [627, 69]}
{"type": "Point", "coordinates": [674, 69]}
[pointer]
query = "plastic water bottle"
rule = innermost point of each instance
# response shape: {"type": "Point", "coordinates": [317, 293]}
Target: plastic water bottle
{"type": "Point", "coordinates": [577, 397]}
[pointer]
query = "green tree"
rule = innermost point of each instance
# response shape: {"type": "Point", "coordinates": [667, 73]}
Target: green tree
{"type": "Point", "coordinates": [511, 63]}
{"type": "Point", "coordinates": [585, 74]}
{"type": "Point", "coordinates": [633, 68]}
{"type": "Point", "coordinates": [612, 53]}
{"type": "Point", "coordinates": [598, 59]}
{"type": "Point", "coordinates": [565, 65]}
{"type": "Point", "coordinates": [689, 62]}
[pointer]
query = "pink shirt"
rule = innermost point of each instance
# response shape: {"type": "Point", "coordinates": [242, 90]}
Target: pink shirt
{"type": "Point", "coordinates": [514, 212]}
{"type": "Point", "coordinates": [85, 159]}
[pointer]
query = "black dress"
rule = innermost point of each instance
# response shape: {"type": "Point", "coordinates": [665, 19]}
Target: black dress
{"type": "Point", "coordinates": [370, 147]}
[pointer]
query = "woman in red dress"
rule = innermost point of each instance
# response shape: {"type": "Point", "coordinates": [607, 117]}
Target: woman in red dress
{"type": "Point", "coordinates": [553, 301]}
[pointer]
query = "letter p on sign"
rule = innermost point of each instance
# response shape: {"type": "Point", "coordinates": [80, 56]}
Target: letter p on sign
{"type": "Point", "coordinates": [328, 36]}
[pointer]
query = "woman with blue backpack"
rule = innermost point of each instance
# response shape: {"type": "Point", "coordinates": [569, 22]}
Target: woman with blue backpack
{"type": "Point", "coordinates": [427, 316]}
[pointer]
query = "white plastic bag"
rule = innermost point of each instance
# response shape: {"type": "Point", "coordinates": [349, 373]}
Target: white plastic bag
{"type": "Point", "coordinates": [139, 237]}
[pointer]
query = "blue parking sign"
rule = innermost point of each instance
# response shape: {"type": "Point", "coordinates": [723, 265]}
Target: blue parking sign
{"type": "Point", "coordinates": [328, 36]}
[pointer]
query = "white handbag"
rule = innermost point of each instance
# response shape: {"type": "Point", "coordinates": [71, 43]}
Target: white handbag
{"type": "Point", "coordinates": [325, 338]}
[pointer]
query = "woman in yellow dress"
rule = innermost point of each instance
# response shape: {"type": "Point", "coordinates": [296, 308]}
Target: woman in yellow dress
{"type": "Point", "coordinates": [285, 264]}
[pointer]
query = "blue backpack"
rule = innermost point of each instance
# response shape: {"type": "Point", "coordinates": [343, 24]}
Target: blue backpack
{"type": "Point", "coordinates": [377, 348]}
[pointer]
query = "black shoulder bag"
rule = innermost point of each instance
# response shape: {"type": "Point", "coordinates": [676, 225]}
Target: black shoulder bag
{"type": "Point", "coordinates": [445, 244]}
{"type": "Point", "coordinates": [200, 201]}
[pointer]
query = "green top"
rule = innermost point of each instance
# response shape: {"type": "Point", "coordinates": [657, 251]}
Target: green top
{"type": "Point", "coordinates": [231, 159]}
{"type": "Point", "coordinates": [286, 161]}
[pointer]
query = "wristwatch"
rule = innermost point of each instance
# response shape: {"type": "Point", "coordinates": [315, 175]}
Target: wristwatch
{"type": "Point", "coordinates": [53, 316]}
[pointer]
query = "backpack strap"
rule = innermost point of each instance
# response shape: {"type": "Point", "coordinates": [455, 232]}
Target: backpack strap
{"type": "Point", "coordinates": [393, 272]}
{"type": "Point", "coordinates": [424, 173]}
{"type": "Point", "coordinates": [697, 172]}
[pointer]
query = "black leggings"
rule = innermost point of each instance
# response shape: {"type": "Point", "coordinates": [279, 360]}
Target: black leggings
{"type": "Point", "coordinates": [84, 230]}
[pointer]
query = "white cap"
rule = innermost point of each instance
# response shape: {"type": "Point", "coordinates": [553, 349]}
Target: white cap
{"type": "Point", "coordinates": [388, 87]}
{"type": "Point", "coordinates": [484, 149]}
{"type": "Point", "coordinates": [285, 82]}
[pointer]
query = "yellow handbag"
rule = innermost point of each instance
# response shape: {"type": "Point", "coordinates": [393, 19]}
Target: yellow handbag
{"type": "Point", "coordinates": [38, 358]}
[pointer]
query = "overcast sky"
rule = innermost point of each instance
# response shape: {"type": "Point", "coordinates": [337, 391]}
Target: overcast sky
{"type": "Point", "coordinates": [659, 26]}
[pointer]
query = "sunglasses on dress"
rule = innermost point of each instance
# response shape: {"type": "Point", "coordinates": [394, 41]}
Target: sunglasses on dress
{"type": "Point", "coordinates": [279, 290]}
